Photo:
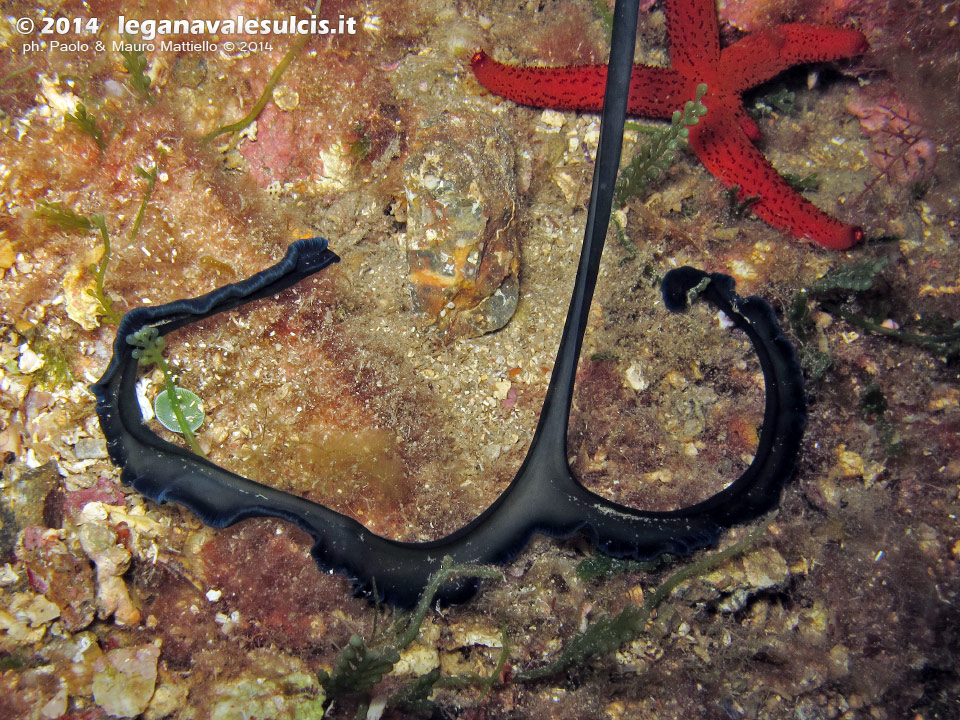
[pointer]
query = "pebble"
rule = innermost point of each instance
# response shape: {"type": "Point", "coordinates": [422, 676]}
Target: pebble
{"type": "Point", "coordinates": [90, 449]}
{"type": "Point", "coordinates": [7, 256]}
{"type": "Point", "coordinates": [501, 388]}
{"type": "Point", "coordinates": [125, 679]}
{"type": "Point", "coordinates": [286, 98]}
{"type": "Point", "coordinates": [417, 660]}
{"type": "Point", "coordinates": [295, 695]}
{"type": "Point", "coordinates": [761, 570]}
{"type": "Point", "coordinates": [552, 119]}
{"type": "Point", "coordinates": [635, 378]}
{"type": "Point", "coordinates": [29, 361]}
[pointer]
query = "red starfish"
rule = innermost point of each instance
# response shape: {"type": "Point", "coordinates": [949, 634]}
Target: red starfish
{"type": "Point", "coordinates": [723, 138]}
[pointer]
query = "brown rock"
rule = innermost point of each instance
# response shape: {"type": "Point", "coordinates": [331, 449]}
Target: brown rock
{"type": "Point", "coordinates": [462, 242]}
{"type": "Point", "coordinates": [62, 574]}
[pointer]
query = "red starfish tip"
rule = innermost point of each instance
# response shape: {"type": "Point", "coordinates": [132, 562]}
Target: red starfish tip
{"type": "Point", "coordinates": [856, 236]}
{"type": "Point", "coordinates": [842, 237]}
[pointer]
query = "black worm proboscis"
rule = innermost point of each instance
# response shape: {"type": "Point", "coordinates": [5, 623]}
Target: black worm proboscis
{"type": "Point", "coordinates": [544, 497]}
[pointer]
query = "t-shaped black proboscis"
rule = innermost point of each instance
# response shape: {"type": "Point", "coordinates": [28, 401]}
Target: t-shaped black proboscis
{"type": "Point", "coordinates": [544, 496]}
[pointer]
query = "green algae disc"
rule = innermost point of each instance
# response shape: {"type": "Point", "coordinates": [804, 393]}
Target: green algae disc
{"type": "Point", "coordinates": [189, 402]}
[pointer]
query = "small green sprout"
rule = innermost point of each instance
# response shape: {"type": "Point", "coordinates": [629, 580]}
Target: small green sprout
{"type": "Point", "coordinates": [87, 124]}
{"type": "Point", "coordinates": [149, 345]}
{"type": "Point", "coordinates": [361, 146]}
{"type": "Point", "coordinates": [135, 63]}
{"type": "Point", "coordinates": [783, 100]}
{"type": "Point", "coordinates": [99, 271]}
{"type": "Point", "coordinates": [800, 183]}
{"type": "Point", "coordinates": [737, 206]}
{"type": "Point", "coordinates": [59, 215]}
{"type": "Point", "coordinates": [856, 277]}
{"type": "Point", "coordinates": [358, 668]}
{"type": "Point", "coordinates": [697, 290]}
{"type": "Point", "coordinates": [873, 408]}
{"type": "Point", "coordinates": [658, 153]}
{"type": "Point", "coordinates": [151, 177]}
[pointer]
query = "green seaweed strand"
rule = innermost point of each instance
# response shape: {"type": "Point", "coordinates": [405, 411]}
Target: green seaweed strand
{"type": "Point", "coordinates": [58, 214]}
{"type": "Point", "coordinates": [272, 81]}
{"type": "Point", "coordinates": [151, 177]}
{"type": "Point", "coordinates": [857, 278]}
{"type": "Point", "coordinates": [135, 63]}
{"type": "Point", "coordinates": [948, 344]}
{"type": "Point", "coordinates": [15, 73]}
{"type": "Point", "coordinates": [447, 572]}
{"type": "Point", "coordinates": [66, 219]}
{"type": "Point", "coordinates": [99, 272]}
{"type": "Point", "coordinates": [359, 667]}
{"type": "Point", "coordinates": [607, 634]}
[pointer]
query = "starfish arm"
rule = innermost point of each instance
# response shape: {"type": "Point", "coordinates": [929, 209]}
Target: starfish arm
{"type": "Point", "coordinates": [756, 58]}
{"type": "Point", "coordinates": [693, 33]}
{"type": "Point", "coordinates": [729, 155]}
{"type": "Point", "coordinates": [654, 92]}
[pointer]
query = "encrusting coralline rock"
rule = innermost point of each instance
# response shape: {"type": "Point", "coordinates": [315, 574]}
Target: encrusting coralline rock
{"type": "Point", "coordinates": [125, 678]}
{"type": "Point", "coordinates": [99, 542]}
